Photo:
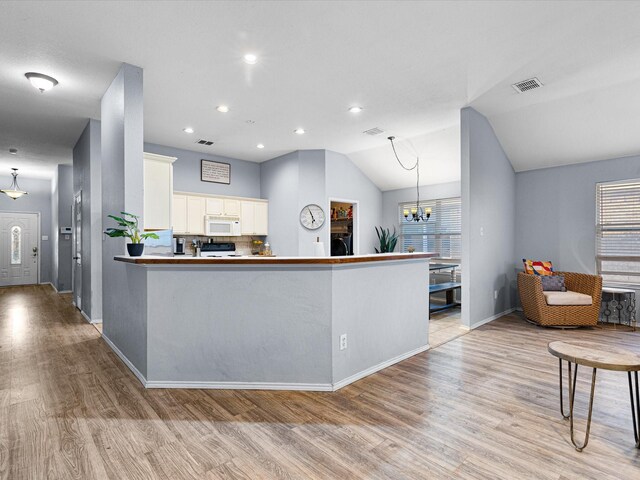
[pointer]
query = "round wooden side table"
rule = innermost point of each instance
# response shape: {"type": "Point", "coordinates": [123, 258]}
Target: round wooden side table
{"type": "Point", "coordinates": [597, 355]}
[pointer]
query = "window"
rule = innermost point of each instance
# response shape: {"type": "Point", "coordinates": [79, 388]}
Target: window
{"type": "Point", "coordinates": [618, 232]}
{"type": "Point", "coordinates": [441, 234]}
{"type": "Point", "coordinates": [16, 245]}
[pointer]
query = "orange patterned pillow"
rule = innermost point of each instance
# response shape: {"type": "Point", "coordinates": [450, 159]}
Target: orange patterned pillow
{"type": "Point", "coordinates": [537, 268]}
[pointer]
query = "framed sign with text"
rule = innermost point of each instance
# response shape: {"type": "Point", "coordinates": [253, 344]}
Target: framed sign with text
{"type": "Point", "coordinates": [215, 172]}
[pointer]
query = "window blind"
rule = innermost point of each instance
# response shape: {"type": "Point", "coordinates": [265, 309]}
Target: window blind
{"type": "Point", "coordinates": [441, 234]}
{"type": "Point", "coordinates": [618, 231]}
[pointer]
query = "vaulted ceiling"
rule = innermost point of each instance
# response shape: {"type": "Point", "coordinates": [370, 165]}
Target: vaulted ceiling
{"type": "Point", "coordinates": [410, 65]}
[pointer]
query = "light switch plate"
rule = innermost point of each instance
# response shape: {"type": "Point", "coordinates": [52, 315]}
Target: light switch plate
{"type": "Point", "coordinates": [45, 237]}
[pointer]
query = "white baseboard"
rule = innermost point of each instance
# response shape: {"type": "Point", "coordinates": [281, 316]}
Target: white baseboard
{"type": "Point", "coordinates": [308, 387]}
{"type": "Point", "coordinates": [88, 318]}
{"type": "Point", "coordinates": [490, 319]}
{"type": "Point", "coordinates": [126, 361]}
{"type": "Point", "coordinates": [54, 287]}
{"type": "Point", "coordinates": [378, 367]}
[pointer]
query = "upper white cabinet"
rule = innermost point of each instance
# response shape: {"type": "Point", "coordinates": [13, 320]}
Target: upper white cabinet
{"type": "Point", "coordinates": [190, 209]}
{"type": "Point", "coordinates": [227, 207]}
{"type": "Point", "coordinates": [158, 191]}
{"type": "Point", "coordinates": [195, 215]}
{"type": "Point", "coordinates": [254, 217]}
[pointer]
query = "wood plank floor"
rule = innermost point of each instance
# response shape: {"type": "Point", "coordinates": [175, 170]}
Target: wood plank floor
{"type": "Point", "coordinates": [482, 406]}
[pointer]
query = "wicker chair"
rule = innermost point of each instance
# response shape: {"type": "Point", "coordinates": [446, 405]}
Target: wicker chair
{"type": "Point", "coordinates": [536, 309]}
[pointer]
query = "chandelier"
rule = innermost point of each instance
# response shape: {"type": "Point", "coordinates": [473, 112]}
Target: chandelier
{"type": "Point", "coordinates": [417, 213]}
{"type": "Point", "coordinates": [14, 191]}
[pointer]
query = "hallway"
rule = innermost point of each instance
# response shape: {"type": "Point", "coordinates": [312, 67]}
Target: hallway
{"type": "Point", "coordinates": [481, 406]}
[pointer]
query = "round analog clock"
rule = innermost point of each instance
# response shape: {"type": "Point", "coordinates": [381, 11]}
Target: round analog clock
{"type": "Point", "coordinates": [312, 216]}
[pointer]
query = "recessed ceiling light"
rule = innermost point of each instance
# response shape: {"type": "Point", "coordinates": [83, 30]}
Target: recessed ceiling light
{"type": "Point", "coordinates": [13, 151]}
{"type": "Point", "coordinates": [355, 109]}
{"type": "Point", "coordinates": [187, 130]}
{"type": "Point", "coordinates": [299, 131]}
{"type": "Point", "coordinates": [222, 108]}
{"type": "Point", "coordinates": [250, 58]}
{"type": "Point", "coordinates": [41, 81]}
{"type": "Point", "coordinates": [260, 145]}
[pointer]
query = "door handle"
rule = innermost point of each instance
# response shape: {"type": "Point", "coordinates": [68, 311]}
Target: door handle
{"type": "Point", "coordinates": [76, 258]}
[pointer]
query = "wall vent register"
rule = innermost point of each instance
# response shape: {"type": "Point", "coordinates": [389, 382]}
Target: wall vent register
{"type": "Point", "coordinates": [526, 85]}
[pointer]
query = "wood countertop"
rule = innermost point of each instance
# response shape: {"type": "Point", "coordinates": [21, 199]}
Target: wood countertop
{"type": "Point", "coordinates": [258, 260]}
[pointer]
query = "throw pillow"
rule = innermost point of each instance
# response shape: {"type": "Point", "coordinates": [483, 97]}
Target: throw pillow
{"type": "Point", "coordinates": [537, 268]}
{"type": "Point", "coordinates": [553, 283]}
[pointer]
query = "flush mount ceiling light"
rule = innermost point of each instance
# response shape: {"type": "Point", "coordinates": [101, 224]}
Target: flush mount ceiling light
{"type": "Point", "coordinates": [250, 59]}
{"type": "Point", "coordinates": [260, 145]}
{"type": "Point", "coordinates": [299, 131]}
{"type": "Point", "coordinates": [187, 130]}
{"type": "Point", "coordinates": [355, 109]}
{"type": "Point", "coordinates": [13, 151]}
{"type": "Point", "coordinates": [41, 81]}
{"type": "Point", "coordinates": [222, 108]}
{"type": "Point", "coordinates": [14, 191]}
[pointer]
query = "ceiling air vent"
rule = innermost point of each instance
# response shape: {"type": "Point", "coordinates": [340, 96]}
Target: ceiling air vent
{"type": "Point", "coordinates": [374, 131]}
{"type": "Point", "coordinates": [527, 85]}
{"type": "Point", "coordinates": [204, 142]}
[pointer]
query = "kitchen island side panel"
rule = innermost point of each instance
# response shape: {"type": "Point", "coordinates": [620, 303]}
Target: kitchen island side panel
{"type": "Point", "coordinates": [239, 325]}
{"type": "Point", "coordinates": [383, 308]}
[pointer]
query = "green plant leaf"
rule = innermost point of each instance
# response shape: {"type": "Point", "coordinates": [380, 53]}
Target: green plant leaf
{"type": "Point", "coordinates": [149, 235]}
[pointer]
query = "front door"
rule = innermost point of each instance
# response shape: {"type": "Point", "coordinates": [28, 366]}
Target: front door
{"type": "Point", "coordinates": [19, 248]}
{"type": "Point", "coordinates": [76, 267]}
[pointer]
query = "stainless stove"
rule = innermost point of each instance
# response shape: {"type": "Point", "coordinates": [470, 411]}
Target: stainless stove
{"type": "Point", "coordinates": [221, 249]}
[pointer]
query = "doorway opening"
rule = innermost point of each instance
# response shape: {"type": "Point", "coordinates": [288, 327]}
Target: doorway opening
{"type": "Point", "coordinates": [19, 248]}
{"type": "Point", "coordinates": [344, 231]}
{"type": "Point", "coordinates": [76, 267]}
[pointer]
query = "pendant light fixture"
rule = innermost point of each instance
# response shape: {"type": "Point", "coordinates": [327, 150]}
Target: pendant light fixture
{"type": "Point", "coordinates": [417, 213]}
{"type": "Point", "coordinates": [14, 191]}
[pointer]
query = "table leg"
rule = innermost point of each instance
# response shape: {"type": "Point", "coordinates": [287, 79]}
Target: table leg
{"type": "Point", "coordinates": [635, 406]}
{"type": "Point", "coordinates": [562, 390]}
{"type": "Point", "coordinates": [572, 393]}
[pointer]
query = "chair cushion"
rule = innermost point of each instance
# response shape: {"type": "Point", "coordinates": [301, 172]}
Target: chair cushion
{"type": "Point", "coordinates": [537, 268]}
{"type": "Point", "coordinates": [553, 283]}
{"type": "Point", "coordinates": [567, 298]}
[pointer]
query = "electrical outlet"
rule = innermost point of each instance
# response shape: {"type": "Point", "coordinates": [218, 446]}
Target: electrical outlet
{"type": "Point", "coordinates": [482, 231]}
{"type": "Point", "coordinates": [343, 341]}
{"type": "Point", "coordinates": [495, 294]}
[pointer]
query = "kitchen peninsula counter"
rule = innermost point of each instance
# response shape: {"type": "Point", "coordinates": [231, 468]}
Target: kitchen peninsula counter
{"type": "Point", "coordinates": [269, 322]}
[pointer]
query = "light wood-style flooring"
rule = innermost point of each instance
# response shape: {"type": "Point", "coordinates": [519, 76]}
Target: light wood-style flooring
{"type": "Point", "coordinates": [445, 326]}
{"type": "Point", "coordinates": [482, 406]}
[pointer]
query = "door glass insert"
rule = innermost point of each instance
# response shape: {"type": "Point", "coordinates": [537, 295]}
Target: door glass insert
{"type": "Point", "coordinates": [16, 245]}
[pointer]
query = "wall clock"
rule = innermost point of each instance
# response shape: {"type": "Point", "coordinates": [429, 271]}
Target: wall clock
{"type": "Point", "coordinates": [312, 216]}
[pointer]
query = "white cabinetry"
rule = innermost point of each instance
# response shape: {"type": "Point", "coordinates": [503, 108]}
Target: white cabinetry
{"type": "Point", "coordinates": [254, 217]}
{"type": "Point", "coordinates": [227, 207]}
{"type": "Point", "coordinates": [179, 214]}
{"type": "Point", "coordinates": [195, 215]}
{"type": "Point", "coordinates": [158, 191]}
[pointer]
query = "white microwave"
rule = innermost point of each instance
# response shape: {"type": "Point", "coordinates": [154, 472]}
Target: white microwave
{"type": "Point", "coordinates": [222, 226]}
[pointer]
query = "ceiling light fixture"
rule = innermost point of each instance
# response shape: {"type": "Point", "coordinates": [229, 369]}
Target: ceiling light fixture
{"type": "Point", "coordinates": [260, 145]}
{"type": "Point", "coordinates": [222, 108]}
{"type": "Point", "coordinates": [299, 131]}
{"type": "Point", "coordinates": [41, 81]}
{"type": "Point", "coordinates": [187, 130]}
{"type": "Point", "coordinates": [13, 151]}
{"type": "Point", "coordinates": [14, 191]}
{"type": "Point", "coordinates": [250, 59]}
{"type": "Point", "coordinates": [417, 213]}
{"type": "Point", "coordinates": [355, 109]}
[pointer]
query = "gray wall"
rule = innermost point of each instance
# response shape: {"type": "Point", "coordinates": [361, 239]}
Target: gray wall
{"type": "Point", "coordinates": [344, 180]}
{"type": "Point", "coordinates": [39, 201]}
{"type": "Point", "coordinates": [63, 243]}
{"type": "Point", "coordinates": [392, 198]}
{"type": "Point", "coordinates": [488, 218]}
{"type": "Point", "coordinates": [556, 211]}
{"type": "Point", "coordinates": [245, 176]}
{"type": "Point", "coordinates": [122, 190]}
{"type": "Point", "coordinates": [86, 178]}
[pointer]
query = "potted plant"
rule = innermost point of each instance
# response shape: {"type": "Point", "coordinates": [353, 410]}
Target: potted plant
{"type": "Point", "coordinates": [387, 240]}
{"type": "Point", "coordinates": [130, 229]}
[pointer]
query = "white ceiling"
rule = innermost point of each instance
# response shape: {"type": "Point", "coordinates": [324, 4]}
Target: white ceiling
{"type": "Point", "coordinates": [411, 65]}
